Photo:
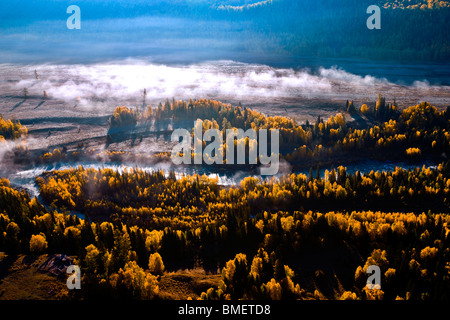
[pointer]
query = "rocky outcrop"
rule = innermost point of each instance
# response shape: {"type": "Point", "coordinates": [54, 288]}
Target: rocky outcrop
{"type": "Point", "coordinates": [56, 264]}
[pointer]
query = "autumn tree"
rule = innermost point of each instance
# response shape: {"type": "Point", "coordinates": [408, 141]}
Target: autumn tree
{"type": "Point", "coordinates": [364, 109]}
{"type": "Point", "coordinates": [155, 264]}
{"type": "Point", "coordinates": [38, 243]}
{"type": "Point", "coordinates": [123, 116]}
{"type": "Point", "coordinates": [133, 282]}
{"type": "Point", "coordinates": [12, 237]}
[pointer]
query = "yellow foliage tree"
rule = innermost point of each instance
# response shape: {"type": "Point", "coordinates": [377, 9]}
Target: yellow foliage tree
{"type": "Point", "coordinates": [155, 264]}
{"type": "Point", "coordinates": [143, 285]}
{"type": "Point", "coordinates": [273, 289]}
{"type": "Point", "coordinates": [364, 108]}
{"type": "Point", "coordinates": [348, 295]}
{"type": "Point", "coordinates": [38, 243]}
{"type": "Point", "coordinates": [373, 294]}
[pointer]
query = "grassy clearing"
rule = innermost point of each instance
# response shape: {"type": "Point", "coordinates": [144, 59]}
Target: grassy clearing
{"type": "Point", "coordinates": [184, 284]}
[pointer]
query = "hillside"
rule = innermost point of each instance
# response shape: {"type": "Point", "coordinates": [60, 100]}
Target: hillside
{"type": "Point", "coordinates": [219, 29]}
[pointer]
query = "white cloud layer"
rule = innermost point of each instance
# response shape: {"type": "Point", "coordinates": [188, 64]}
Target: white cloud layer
{"type": "Point", "coordinates": [124, 82]}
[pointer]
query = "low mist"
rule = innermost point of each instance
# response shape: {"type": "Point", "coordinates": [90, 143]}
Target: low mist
{"type": "Point", "coordinates": [122, 83]}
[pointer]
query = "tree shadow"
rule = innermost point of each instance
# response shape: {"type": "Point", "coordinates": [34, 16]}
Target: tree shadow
{"type": "Point", "coordinates": [5, 264]}
{"type": "Point", "coordinates": [29, 259]}
{"type": "Point", "coordinates": [40, 104]}
{"type": "Point", "coordinates": [17, 105]}
{"type": "Point", "coordinates": [359, 120]}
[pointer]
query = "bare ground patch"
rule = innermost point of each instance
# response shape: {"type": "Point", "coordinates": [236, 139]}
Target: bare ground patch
{"type": "Point", "coordinates": [21, 280]}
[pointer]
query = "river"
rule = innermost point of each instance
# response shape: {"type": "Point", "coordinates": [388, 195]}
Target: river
{"type": "Point", "coordinates": [26, 178]}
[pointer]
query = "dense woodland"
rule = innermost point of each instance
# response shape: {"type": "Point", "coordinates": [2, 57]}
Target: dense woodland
{"type": "Point", "coordinates": [298, 236]}
{"type": "Point", "coordinates": [381, 132]}
{"type": "Point", "coordinates": [263, 236]}
{"type": "Point", "coordinates": [414, 134]}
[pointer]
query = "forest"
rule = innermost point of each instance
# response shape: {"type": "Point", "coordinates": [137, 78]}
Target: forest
{"type": "Point", "coordinates": [410, 30]}
{"type": "Point", "coordinates": [262, 236]}
{"type": "Point", "coordinates": [297, 236]}
{"type": "Point", "coordinates": [382, 132]}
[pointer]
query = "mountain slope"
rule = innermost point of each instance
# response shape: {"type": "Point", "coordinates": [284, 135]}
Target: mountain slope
{"type": "Point", "coordinates": [320, 28]}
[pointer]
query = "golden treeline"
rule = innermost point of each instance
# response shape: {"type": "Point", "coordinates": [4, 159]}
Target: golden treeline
{"type": "Point", "coordinates": [415, 133]}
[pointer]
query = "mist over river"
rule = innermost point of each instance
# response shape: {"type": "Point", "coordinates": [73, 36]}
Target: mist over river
{"type": "Point", "coordinates": [87, 73]}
